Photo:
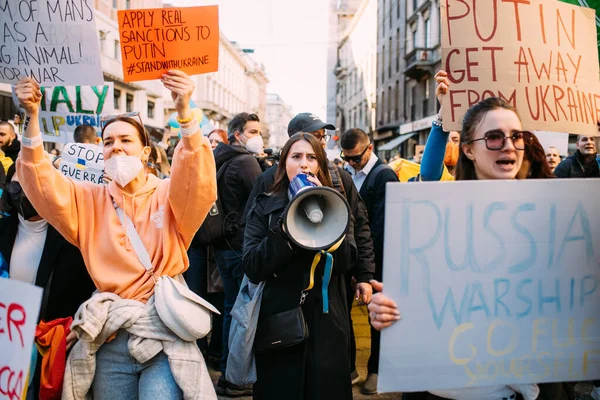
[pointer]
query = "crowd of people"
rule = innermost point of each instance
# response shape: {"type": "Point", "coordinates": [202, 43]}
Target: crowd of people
{"type": "Point", "coordinates": [214, 216]}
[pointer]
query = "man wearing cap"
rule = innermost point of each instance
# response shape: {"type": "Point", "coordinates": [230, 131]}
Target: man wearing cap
{"type": "Point", "coordinates": [364, 268]}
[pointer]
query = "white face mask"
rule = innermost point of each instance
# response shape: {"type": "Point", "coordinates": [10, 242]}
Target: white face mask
{"type": "Point", "coordinates": [123, 169]}
{"type": "Point", "coordinates": [254, 144]}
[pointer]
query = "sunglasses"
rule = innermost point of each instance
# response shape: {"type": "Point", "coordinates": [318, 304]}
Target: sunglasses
{"type": "Point", "coordinates": [325, 137]}
{"type": "Point", "coordinates": [105, 119]}
{"type": "Point", "coordinates": [495, 140]}
{"type": "Point", "coordinates": [354, 159]}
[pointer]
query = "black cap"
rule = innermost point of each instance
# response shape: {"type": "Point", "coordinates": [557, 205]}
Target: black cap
{"type": "Point", "coordinates": [307, 122]}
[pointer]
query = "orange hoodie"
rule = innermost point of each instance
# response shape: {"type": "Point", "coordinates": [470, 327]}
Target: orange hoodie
{"type": "Point", "coordinates": [166, 213]}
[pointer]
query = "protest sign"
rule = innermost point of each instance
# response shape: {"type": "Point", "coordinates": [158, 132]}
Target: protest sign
{"type": "Point", "coordinates": [497, 283]}
{"type": "Point", "coordinates": [64, 108]}
{"type": "Point", "coordinates": [19, 309]}
{"type": "Point", "coordinates": [83, 162]}
{"type": "Point", "coordinates": [154, 41]}
{"type": "Point", "coordinates": [595, 4]}
{"type": "Point", "coordinates": [541, 56]}
{"type": "Point", "coordinates": [53, 41]}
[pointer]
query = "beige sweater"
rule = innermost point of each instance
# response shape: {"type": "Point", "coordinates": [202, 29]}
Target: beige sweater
{"type": "Point", "coordinates": [104, 314]}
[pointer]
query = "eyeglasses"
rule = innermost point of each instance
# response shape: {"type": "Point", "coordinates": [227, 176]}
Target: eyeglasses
{"type": "Point", "coordinates": [105, 119]}
{"type": "Point", "coordinates": [325, 137]}
{"type": "Point", "coordinates": [354, 159]}
{"type": "Point", "coordinates": [495, 140]}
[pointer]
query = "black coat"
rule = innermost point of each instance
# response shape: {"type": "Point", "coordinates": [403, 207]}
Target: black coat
{"type": "Point", "coordinates": [576, 166]}
{"type": "Point", "coordinates": [364, 268]}
{"type": "Point", "coordinates": [375, 204]}
{"type": "Point", "coordinates": [319, 368]}
{"type": "Point", "coordinates": [234, 188]}
{"type": "Point", "coordinates": [71, 284]}
{"type": "Point", "coordinates": [13, 150]}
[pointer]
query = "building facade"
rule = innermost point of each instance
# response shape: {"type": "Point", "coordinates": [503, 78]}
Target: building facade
{"type": "Point", "coordinates": [355, 71]}
{"type": "Point", "coordinates": [279, 116]}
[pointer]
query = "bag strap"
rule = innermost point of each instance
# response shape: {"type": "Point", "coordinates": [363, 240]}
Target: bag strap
{"type": "Point", "coordinates": [136, 241]}
{"type": "Point", "coordinates": [373, 176]}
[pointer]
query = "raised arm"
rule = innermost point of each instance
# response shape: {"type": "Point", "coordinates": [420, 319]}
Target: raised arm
{"type": "Point", "coordinates": [193, 188]}
{"type": "Point", "coordinates": [54, 196]}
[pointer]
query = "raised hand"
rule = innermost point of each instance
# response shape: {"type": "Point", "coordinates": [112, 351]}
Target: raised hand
{"type": "Point", "coordinates": [181, 87]}
{"type": "Point", "coordinates": [29, 94]}
{"type": "Point", "coordinates": [443, 83]}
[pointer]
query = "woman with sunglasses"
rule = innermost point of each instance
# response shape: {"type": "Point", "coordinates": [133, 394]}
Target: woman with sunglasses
{"type": "Point", "coordinates": [130, 353]}
{"type": "Point", "coordinates": [493, 143]}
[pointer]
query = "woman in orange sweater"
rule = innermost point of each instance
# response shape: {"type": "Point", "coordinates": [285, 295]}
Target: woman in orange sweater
{"type": "Point", "coordinates": [166, 214]}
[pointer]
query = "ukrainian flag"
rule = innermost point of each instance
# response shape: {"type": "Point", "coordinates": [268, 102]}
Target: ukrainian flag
{"type": "Point", "coordinates": [80, 163]}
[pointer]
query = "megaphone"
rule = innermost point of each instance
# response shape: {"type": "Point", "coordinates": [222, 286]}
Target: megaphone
{"type": "Point", "coordinates": [317, 217]}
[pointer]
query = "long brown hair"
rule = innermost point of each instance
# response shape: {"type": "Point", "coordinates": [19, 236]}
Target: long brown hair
{"type": "Point", "coordinates": [281, 179]}
{"type": "Point", "coordinates": [465, 168]}
{"type": "Point", "coordinates": [536, 155]}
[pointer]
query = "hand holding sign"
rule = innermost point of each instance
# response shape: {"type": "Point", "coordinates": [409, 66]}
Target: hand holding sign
{"type": "Point", "coordinates": [443, 83]}
{"type": "Point", "coordinates": [182, 88]}
{"type": "Point", "coordinates": [382, 310]}
{"type": "Point", "coordinates": [29, 95]}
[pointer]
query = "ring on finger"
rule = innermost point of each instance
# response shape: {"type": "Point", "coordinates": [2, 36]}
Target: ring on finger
{"type": "Point", "coordinates": [373, 316]}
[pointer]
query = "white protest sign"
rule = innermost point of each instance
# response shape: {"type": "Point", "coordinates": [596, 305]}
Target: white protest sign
{"type": "Point", "coordinates": [19, 309]}
{"type": "Point", "coordinates": [497, 283]}
{"type": "Point", "coordinates": [83, 162]}
{"type": "Point", "coordinates": [53, 41]}
{"type": "Point", "coordinates": [63, 108]}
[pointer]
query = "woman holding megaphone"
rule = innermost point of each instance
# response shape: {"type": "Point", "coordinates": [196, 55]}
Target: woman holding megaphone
{"type": "Point", "coordinates": [301, 344]}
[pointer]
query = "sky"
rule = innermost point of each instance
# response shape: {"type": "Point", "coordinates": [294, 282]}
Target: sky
{"type": "Point", "coordinates": [289, 38]}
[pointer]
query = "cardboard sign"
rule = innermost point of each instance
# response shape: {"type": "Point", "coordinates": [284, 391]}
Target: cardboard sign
{"type": "Point", "coordinates": [83, 162]}
{"type": "Point", "coordinates": [595, 4]}
{"type": "Point", "coordinates": [52, 41]}
{"type": "Point", "coordinates": [19, 309]}
{"type": "Point", "coordinates": [154, 41]}
{"type": "Point", "coordinates": [497, 283]}
{"type": "Point", "coordinates": [541, 56]}
{"type": "Point", "coordinates": [64, 108]}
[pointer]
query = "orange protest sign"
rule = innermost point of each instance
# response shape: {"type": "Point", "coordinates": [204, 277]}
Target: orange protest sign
{"type": "Point", "coordinates": [156, 40]}
{"type": "Point", "coordinates": [541, 56]}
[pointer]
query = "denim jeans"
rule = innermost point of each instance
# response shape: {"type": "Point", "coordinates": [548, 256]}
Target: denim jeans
{"type": "Point", "coordinates": [231, 268]}
{"type": "Point", "coordinates": [120, 376]}
{"type": "Point", "coordinates": [196, 277]}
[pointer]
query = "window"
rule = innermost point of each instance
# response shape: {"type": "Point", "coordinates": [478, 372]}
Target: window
{"type": "Point", "coordinates": [117, 99]}
{"type": "Point", "coordinates": [115, 4]}
{"type": "Point", "coordinates": [428, 33]}
{"type": "Point", "coordinates": [383, 64]}
{"type": "Point", "coordinates": [389, 103]}
{"type": "Point", "coordinates": [390, 58]}
{"type": "Point", "coordinates": [383, 19]}
{"type": "Point", "coordinates": [117, 50]}
{"type": "Point", "coordinates": [382, 106]}
{"type": "Point", "coordinates": [127, 4]}
{"type": "Point", "coordinates": [390, 14]}
{"type": "Point", "coordinates": [426, 98]}
{"type": "Point", "coordinates": [150, 109]}
{"type": "Point", "coordinates": [413, 40]}
{"type": "Point", "coordinates": [397, 100]}
{"type": "Point", "coordinates": [414, 5]}
{"type": "Point", "coordinates": [413, 99]}
{"type": "Point", "coordinates": [129, 103]}
{"type": "Point", "coordinates": [398, 9]}
{"type": "Point", "coordinates": [398, 50]}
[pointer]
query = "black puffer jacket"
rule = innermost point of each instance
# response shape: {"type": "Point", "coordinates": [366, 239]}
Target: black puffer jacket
{"type": "Point", "coordinates": [576, 166]}
{"type": "Point", "coordinates": [234, 188]}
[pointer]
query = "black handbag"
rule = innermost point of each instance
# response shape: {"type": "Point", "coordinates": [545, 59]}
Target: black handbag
{"type": "Point", "coordinates": [281, 330]}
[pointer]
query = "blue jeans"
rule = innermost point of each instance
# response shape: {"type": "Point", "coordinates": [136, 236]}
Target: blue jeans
{"type": "Point", "coordinates": [120, 376]}
{"type": "Point", "coordinates": [231, 269]}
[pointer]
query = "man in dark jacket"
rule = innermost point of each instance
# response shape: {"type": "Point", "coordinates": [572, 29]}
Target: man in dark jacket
{"type": "Point", "coordinates": [581, 164]}
{"type": "Point", "coordinates": [36, 253]}
{"type": "Point", "coordinates": [364, 269]}
{"type": "Point", "coordinates": [370, 175]}
{"type": "Point", "coordinates": [234, 186]}
{"type": "Point", "coordinates": [9, 143]}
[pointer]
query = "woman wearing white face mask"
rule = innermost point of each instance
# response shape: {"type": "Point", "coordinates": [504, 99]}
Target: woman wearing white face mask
{"type": "Point", "coordinates": [128, 351]}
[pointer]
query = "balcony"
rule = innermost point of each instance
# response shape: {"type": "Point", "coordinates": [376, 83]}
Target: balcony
{"type": "Point", "coordinates": [421, 61]}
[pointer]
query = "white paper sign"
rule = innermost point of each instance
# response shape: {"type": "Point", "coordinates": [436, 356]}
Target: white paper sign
{"type": "Point", "coordinates": [497, 283]}
{"type": "Point", "coordinates": [64, 108]}
{"type": "Point", "coordinates": [53, 41]}
{"type": "Point", "coordinates": [19, 309]}
{"type": "Point", "coordinates": [83, 162]}
{"type": "Point", "coordinates": [554, 139]}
